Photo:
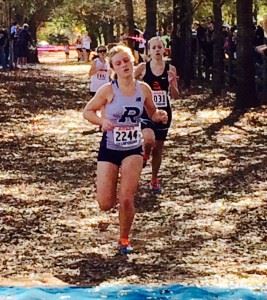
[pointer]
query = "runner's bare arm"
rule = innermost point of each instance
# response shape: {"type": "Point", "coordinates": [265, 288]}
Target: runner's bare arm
{"type": "Point", "coordinates": [92, 70]}
{"type": "Point", "coordinates": [139, 71]}
{"type": "Point", "coordinates": [101, 98]}
{"type": "Point", "coordinates": [156, 115]}
{"type": "Point", "coordinates": [262, 49]}
{"type": "Point", "coordinates": [173, 78]}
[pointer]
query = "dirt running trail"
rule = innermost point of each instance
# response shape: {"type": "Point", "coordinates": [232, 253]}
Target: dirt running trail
{"type": "Point", "coordinates": [208, 227]}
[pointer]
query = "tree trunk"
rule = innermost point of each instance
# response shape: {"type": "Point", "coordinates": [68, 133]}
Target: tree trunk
{"type": "Point", "coordinates": [108, 28]}
{"type": "Point", "coordinates": [118, 31]}
{"type": "Point", "coordinates": [246, 91]}
{"type": "Point", "coordinates": [93, 29]}
{"type": "Point", "coordinates": [130, 20]}
{"type": "Point", "coordinates": [186, 35]}
{"type": "Point", "coordinates": [176, 48]}
{"type": "Point", "coordinates": [218, 64]}
{"type": "Point", "coordinates": [33, 54]}
{"type": "Point", "coordinates": [182, 40]}
{"type": "Point", "coordinates": [151, 19]}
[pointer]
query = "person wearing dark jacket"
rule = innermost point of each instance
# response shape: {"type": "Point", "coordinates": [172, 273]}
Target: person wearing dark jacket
{"type": "Point", "coordinates": [3, 44]}
{"type": "Point", "coordinates": [23, 42]}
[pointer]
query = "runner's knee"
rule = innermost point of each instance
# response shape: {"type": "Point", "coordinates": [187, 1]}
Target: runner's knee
{"type": "Point", "coordinates": [126, 203]}
{"type": "Point", "coordinates": [105, 204]}
{"type": "Point", "coordinates": [149, 138]}
{"type": "Point", "coordinates": [150, 141]}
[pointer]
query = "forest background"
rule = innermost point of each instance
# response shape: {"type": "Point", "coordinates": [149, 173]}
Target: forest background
{"type": "Point", "coordinates": [209, 225]}
{"type": "Point", "coordinates": [107, 20]}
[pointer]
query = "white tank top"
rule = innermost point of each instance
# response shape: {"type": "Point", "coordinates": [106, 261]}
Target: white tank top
{"type": "Point", "coordinates": [101, 76]}
{"type": "Point", "coordinates": [124, 112]}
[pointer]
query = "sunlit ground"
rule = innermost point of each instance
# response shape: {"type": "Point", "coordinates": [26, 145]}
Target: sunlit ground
{"type": "Point", "coordinates": [57, 57]}
{"type": "Point", "coordinates": [208, 227]}
{"type": "Point", "coordinates": [57, 61]}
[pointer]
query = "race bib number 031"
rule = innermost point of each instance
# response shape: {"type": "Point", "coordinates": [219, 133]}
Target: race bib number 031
{"type": "Point", "coordinates": [127, 136]}
{"type": "Point", "coordinates": [160, 98]}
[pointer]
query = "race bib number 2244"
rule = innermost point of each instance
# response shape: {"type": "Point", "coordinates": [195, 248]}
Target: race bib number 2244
{"type": "Point", "coordinates": [127, 136]}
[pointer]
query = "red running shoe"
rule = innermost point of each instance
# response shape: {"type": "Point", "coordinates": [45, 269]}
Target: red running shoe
{"type": "Point", "coordinates": [125, 247]}
{"type": "Point", "coordinates": [155, 186]}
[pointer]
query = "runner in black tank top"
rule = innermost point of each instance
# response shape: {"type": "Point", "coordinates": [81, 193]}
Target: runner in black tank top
{"type": "Point", "coordinates": [160, 87]}
{"type": "Point", "coordinates": [162, 78]}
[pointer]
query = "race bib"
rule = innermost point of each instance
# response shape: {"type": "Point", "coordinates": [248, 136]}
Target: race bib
{"type": "Point", "coordinates": [127, 136]}
{"type": "Point", "coordinates": [101, 75]}
{"type": "Point", "coordinates": [160, 98]}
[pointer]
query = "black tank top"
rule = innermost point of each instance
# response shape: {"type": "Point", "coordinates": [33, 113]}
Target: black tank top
{"type": "Point", "coordinates": [158, 83]}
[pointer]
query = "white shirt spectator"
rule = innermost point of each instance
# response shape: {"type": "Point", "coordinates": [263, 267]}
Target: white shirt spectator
{"type": "Point", "coordinates": [13, 29]}
{"type": "Point", "coordinates": [86, 42]}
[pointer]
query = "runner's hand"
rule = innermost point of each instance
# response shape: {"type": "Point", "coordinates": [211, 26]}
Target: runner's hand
{"type": "Point", "coordinates": [161, 116]}
{"type": "Point", "coordinates": [107, 125]}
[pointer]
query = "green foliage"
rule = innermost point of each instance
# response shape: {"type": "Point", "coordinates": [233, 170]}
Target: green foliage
{"type": "Point", "coordinates": [93, 16]}
{"type": "Point", "coordinates": [40, 10]}
{"type": "Point", "coordinates": [58, 39]}
{"type": "Point", "coordinates": [94, 11]}
{"type": "Point", "coordinates": [63, 24]}
{"type": "Point", "coordinates": [71, 16]}
{"type": "Point", "coordinates": [262, 5]}
{"type": "Point", "coordinates": [204, 9]}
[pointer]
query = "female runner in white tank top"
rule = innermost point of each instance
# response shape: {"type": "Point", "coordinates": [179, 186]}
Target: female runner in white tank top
{"type": "Point", "coordinates": [120, 150]}
{"type": "Point", "coordinates": [99, 73]}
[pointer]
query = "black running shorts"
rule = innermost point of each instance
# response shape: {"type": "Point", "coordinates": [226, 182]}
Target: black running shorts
{"type": "Point", "coordinates": [114, 156]}
{"type": "Point", "coordinates": [160, 133]}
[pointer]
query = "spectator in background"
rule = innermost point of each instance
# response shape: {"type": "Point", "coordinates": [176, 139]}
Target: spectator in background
{"type": "Point", "coordinates": [136, 42]}
{"type": "Point", "coordinates": [142, 48]}
{"type": "Point", "coordinates": [15, 37]}
{"type": "Point", "coordinates": [230, 43]}
{"type": "Point", "coordinates": [166, 39]}
{"type": "Point", "coordinates": [160, 32]}
{"type": "Point", "coordinates": [78, 46]}
{"type": "Point", "coordinates": [7, 48]}
{"type": "Point", "coordinates": [86, 46]}
{"type": "Point", "coordinates": [201, 33]}
{"type": "Point", "coordinates": [262, 49]}
{"type": "Point", "coordinates": [23, 42]}
{"type": "Point", "coordinates": [100, 71]}
{"type": "Point", "coordinates": [208, 50]}
{"type": "Point", "coordinates": [67, 50]}
{"type": "Point", "coordinates": [229, 48]}
{"type": "Point", "coordinates": [13, 29]}
{"type": "Point", "coordinates": [259, 36]}
{"type": "Point", "coordinates": [3, 44]}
